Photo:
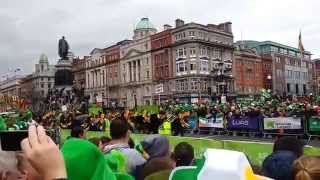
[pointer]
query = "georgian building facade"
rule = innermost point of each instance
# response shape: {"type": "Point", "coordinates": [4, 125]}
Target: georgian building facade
{"type": "Point", "coordinates": [96, 76]}
{"type": "Point", "coordinates": [136, 66]}
{"type": "Point", "coordinates": [161, 55]}
{"type": "Point", "coordinates": [247, 71]}
{"type": "Point", "coordinates": [200, 53]}
{"type": "Point", "coordinates": [43, 77]}
{"type": "Point", "coordinates": [112, 56]}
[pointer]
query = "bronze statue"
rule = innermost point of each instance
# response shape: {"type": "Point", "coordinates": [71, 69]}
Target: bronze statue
{"type": "Point", "coordinates": [63, 48]}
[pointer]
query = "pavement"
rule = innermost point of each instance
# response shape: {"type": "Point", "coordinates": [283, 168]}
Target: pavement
{"type": "Point", "coordinates": [314, 141]}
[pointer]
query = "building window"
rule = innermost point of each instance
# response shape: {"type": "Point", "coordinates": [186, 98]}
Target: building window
{"type": "Point", "coordinates": [194, 84]}
{"type": "Point", "coordinates": [274, 49]}
{"type": "Point", "coordinates": [181, 66]}
{"type": "Point", "coordinates": [148, 74]}
{"type": "Point", "coordinates": [146, 46]}
{"type": "Point", "coordinates": [191, 33]}
{"type": "Point", "coordinates": [147, 61]}
{"type": "Point", "coordinates": [288, 88]}
{"type": "Point", "coordinates": [216, 53]}
{"type": "Point", "coordinates": [42, 85]}
{"type": "Point", "coordinates": [41, 79]}
{"type": "Point", "coordinates": [279, 72]}
{"type": "Point", "coordinates": [181, 52]}
{"type": "Point", "coordinates": [204, 66]}
{"type": "Point", "coordinates": [49, 85]}
{"type": "Point", "coordinates": [192, 52]}
{"type": "Point", "coordinates": [304, 89]}
{"type": "Point", "coordinates": [287, 61]}
{"type": "Point", "coordinates": [277, 59]}
{"type": "Point", "coordinates": [193, 66]}
{"type": "Point", "coordinates": [181, 85]}
{"type": "Point", "coordinates": [297, 88]}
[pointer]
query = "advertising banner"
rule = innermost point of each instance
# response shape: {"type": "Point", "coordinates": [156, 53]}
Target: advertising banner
{"type": "Point", "coordinates": [211, 122]}
{"type": "Point", "coordinates": [243, 123]}
{"type": "Point", "coordinates": [282, 123]}
{"type": "Point", "coordinates": [314, 124]}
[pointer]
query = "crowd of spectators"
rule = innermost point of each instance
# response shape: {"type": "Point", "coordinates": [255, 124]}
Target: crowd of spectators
{"type": "Point", "coordinates": [118, 157]}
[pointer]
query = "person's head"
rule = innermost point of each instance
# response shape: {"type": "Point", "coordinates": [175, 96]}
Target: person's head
{"type": "Point", "coordinates": [278, 165]}
{"type": "Point", "coordinates": [83, 160]}
{"type": "Point", "coordinates": [307, 168]}
{"type": "Point", "coordinates": [104, 141]}
{"type": "Point", "coordinates": [158, 164]}
{"type": "Point", "coordinates": [78, 132]}
{"type": "Point", "coordinates": [119, 129]}
{"type": "Point", "coordinates": [183, 154]}
{"type": "Point", "coordinates": [95, 141]}
{"type": "Point", "coordinates": [289, 143]}
{"type": "Point", "coordinates": [156, 146]}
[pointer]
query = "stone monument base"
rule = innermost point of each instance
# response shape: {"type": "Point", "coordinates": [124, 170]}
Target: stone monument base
{"type": "Point", "coordinates": [63, 76]}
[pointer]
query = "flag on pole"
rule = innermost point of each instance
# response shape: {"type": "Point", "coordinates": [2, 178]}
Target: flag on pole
{"type": "Point", "coordinates": [300, 45]}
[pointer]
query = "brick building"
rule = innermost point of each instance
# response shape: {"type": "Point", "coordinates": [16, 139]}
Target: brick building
{"type": "Point", "coordinates": [247, 71]}
{"type": "Point", "coordinates": [161, 55]}
{"type": "Point", "coordinates": [79, 72]}
{"type": "Point", "coordinates": [316, 76]}
{"type": "Point", "coordinates": [112, 56]}
{"type": "Point", "coordinates": [291, 70]}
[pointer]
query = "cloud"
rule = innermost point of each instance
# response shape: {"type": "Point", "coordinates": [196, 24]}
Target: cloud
{"type": "Point", "coordinates": [29, 28]}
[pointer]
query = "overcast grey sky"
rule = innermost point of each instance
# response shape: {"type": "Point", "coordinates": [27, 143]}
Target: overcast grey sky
{"type": "Point", "coordinates": [31, 27]}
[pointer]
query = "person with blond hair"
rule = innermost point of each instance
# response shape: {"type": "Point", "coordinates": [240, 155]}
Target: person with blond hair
{"type": "Point", "coordinates": [307, 168]}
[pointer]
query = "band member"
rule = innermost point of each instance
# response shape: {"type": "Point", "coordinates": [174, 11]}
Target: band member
{"type": "Point", "coordinates": [178, 125]}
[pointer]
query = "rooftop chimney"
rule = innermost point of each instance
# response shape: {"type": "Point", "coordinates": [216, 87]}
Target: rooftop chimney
{"type": "Point", "coordinates": [179, 22]}
{"type": "Point", "coordinates": [166, 27]}
{"type": "Point", "coordinates": [225, 27]}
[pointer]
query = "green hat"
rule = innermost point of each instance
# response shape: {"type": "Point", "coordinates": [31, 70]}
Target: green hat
{"type": "Point", "coordinates": [84, 161]}
{"type": "Point", "coordinates": [3, 125]}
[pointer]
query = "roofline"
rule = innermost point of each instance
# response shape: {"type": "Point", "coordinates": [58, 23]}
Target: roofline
{"type": "Point", "coordinates": [261, 43]}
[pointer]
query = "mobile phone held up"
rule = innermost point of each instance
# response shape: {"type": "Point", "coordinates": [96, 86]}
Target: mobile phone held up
{"type": "Point", "coordinates": [10, 140]}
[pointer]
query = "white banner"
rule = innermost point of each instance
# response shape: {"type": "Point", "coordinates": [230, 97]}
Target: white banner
{"type": "Point", "coordinates": [211, 122]}
{"type": "Point", "coordinates": [282, 123]}
{"type": "Point", "coordinates": [159, 88]}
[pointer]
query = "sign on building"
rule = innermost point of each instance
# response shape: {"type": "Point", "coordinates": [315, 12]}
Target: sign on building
{"type": "Point", "coordinates": [159, 88]}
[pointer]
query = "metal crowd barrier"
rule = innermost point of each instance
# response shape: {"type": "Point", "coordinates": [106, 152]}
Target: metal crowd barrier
{"type": "Point", "coordinates": [258, 126]}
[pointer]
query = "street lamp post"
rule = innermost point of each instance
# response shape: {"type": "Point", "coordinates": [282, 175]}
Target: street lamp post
{"type": "Point", "coordinates": [269, 79]}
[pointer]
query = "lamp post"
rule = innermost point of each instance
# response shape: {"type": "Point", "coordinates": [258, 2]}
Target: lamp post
{"type": "Point", "coordinates": [269, 80]}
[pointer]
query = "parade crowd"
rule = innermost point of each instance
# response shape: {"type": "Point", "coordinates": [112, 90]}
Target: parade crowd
{"type": "Point", "coordinates": [119, 157]}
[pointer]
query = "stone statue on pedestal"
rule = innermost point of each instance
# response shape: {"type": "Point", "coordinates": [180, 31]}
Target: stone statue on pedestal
{"type": "Point", "coordinates": [63, 48]}
{"type": "Point", "coordinates": [63, 76]}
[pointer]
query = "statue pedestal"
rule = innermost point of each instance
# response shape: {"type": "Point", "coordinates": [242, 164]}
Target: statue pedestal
{"type": "Point", "coordinates": [63, 76]}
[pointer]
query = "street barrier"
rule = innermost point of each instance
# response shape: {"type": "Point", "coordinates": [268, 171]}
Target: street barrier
{"type": "Point", "coordinates": [211, 122]}
{"type": "Point", "coordinates": [314, 125]}
{"type": "Point", "coordinates": [256, 151]}
{"type": "Point", "coordinates": [282, 123]}
{"type": "Point", "coordinates": [246, 123]}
